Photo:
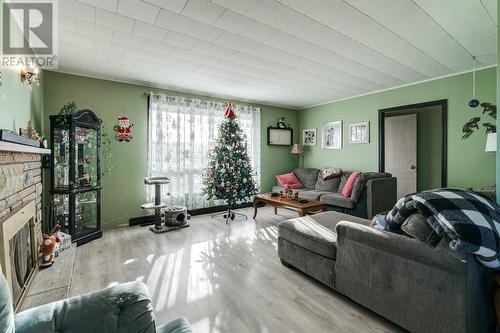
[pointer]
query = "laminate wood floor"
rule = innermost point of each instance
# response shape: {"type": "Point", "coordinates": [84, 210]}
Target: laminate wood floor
{"type": "Point", "coordinates": [223, 278]}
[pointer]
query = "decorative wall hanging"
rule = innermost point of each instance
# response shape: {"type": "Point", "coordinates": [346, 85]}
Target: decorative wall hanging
{"type": "Point", "coordinates": [1, 79]}
{"type": "Point", "coordinates": [123, 129]}
{"type": "Point", "coordinates": [473, 123]}
{"type": "Point", "coordinates": [359, 132]}
{"type": "Point", "coordinates": [332, 135]}
{"type": "Point", "coordinates": [279, 136]}
{"type": "Point", "coordinates": [309, 137]}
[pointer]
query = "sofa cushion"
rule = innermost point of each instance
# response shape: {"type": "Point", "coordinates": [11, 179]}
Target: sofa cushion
{"type": "Point", "coordinates": [312, 195]}
{"type": "Point", "coordinates": [331, 185]}
{"type": "Point", "coordinates": [279, 189]}
{"type": "Point", "coordinates": [289, 180]}
{"type": "Point", "coordinates": [343, 180]}
{"type": "Point", "coordinates": [307, 176]}
{"type": "Point", "coordinates": [337, 199]}
{"type": "Point", "coordinates": [180, 325]}
{"type": "Point", "coordinates": [316, 233]}
{"type": "Point", "coordinates": [347, 190]}
{"type": "Point", "coordinates": [329, 173]}
{"type": "Point", "coordinates": [358, 187]}
{"type": "Point", "coordinates": [6, 310]}
{"type": "Point", "coordinates": [416, 226]}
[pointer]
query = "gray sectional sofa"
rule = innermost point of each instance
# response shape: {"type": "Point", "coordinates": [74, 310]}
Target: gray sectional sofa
{"type": "Point", "coordinates": [419, 287]}
{"type": "Point", "coordinates": [373, 192]}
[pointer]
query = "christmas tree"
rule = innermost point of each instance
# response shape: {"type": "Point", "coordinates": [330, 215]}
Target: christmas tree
{"type": "Point", "coordinates": [229, 173]}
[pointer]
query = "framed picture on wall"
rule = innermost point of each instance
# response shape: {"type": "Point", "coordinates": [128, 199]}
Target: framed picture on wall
{"type": "Point", "coordinates": [279, 136]}
{"type": "Point", "coordinates": [332, 135]}
{"type": "Point", "coordinates": [359, 132]}
{"type": "Point", "coordinates": [309, 137]}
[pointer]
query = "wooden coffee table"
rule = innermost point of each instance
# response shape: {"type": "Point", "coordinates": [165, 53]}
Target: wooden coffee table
{"type": "Point", "coordinates": [301, 208]}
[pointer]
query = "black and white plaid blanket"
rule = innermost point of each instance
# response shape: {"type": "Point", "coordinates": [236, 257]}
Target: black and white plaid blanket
{"type": "Point", "coordinates": [466, 220]}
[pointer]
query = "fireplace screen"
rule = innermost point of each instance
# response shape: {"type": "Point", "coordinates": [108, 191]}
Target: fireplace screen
{"type": "Point", "coordinates": [22, 261]}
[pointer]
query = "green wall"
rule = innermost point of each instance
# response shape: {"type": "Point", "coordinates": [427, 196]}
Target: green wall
{"type": "Point", "coordinates": [468, 164]}
{"type": "Point", "coordinates": [124, 190]}
{"type": "Point", "coordinates": [18, 103]}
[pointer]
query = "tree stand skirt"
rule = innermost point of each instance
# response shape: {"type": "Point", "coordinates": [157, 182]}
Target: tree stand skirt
{"type": "Point", "coordinates": [230, 215]}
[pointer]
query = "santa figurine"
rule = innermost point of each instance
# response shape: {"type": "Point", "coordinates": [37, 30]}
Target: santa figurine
{"type": "Point", "coordinates": [123, 129]}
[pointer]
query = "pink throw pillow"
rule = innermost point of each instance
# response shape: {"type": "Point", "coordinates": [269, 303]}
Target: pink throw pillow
{"type": "Point", "coordinates": [289, 180]}
{"type": "Point", "coordinates": [347, 190]}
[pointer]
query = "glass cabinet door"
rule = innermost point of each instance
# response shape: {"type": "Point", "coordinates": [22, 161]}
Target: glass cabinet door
{"type": "Point", "coordinates": [85, 213]}
{"type": "Point", "coordinates": [61, 211]}
{"type": "Point", "coordinates": [61, 158]}
{"type": "Point", "coordinates": [85, 157]}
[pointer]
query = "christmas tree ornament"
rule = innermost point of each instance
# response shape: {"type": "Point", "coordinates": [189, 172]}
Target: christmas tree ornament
{"type": "Point", "coordinates": [229, 173]}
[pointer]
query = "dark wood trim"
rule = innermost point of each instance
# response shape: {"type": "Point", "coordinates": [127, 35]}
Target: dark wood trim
{"type": "Point", "coordinates": [443, 103]}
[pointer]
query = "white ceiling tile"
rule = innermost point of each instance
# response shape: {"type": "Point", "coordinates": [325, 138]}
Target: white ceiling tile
{"type": "Point", "coordinates": [203, 11]}
{"type": "Point", "coordinates": [128, 40]}
{"type": "Point", "coordinates": [491, 7]}
{"type": "Point", "coordinates": [103, 46]}
{"type": "Point", "coordinates": [76, 39]}
{"type": "Point", "coordinates": [138, 10]}
{"type": "Point", "coordinates": [173, 21]}
{"type": "Point", "coordinates": [233, 22]}
{"type": "Point", "coordinates": [110, 5]}
{"type": "Point", "coordinates": [184, 54]}
{"type": "Point", "coordinates": [159, 48]}
{"type": "Point", "coordinates": [139, 54]}
{"type": "Point", "coordinates": [306, 7]}
{"type": "Point", "coordinates": [92, 30]}
{"type": "Point", "coordinates": [149, 31]}
{"type": "Point", "coordinates": [181, 40]}
{"type": "Point", "coordinates": [114, 21]}
{"type": "Point", "coordinates": [175, 6]}
{"type": "Point", "coordinates": [204, 31]}
{"type": "Point", "coordinates": [66, 23]}
{"type": "Point", "coordinates": [164, 60]}
{"type": "Point", "coordinates": [239, 6]}
{"type": "Point", "coordinates": [205, 47]}
{"type": "Point", "coordinates": [231, 40]}
{"type": "Point", "coordinates": [77, 10]}
{"type": "Point", "coordinates": [474, 30]}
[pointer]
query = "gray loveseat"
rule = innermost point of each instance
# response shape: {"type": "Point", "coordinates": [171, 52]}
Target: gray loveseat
{"type": "Point", "coordinates": [373, 192]}
{"type": "Point", "coordinates": [419, 287]}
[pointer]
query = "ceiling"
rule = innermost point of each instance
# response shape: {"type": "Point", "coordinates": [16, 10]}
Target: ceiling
{"type": "Point", "coordinates": [293, 53]}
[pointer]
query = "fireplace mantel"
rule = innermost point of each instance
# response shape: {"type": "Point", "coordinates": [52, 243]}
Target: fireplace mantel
{"type": "Point", "coordinates": [15, 147]}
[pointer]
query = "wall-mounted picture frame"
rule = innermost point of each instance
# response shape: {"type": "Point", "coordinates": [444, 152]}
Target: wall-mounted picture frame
{"type": "Point", "coordinates": [332, 135]}
{"type": "Point", "coordinates": [309, 137]}
{"type": "Point", "coordinates": [359, 132]}
{"type": "Point", "coordinates": [279, 136]}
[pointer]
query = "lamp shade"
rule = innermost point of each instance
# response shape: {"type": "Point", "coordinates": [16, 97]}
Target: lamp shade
{"type": "Point", "coordinates": [297, 149]}
{"type": "Point", "coordinates": [491, 142]}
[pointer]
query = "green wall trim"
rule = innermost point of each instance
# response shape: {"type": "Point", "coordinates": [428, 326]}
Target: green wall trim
{"type": "Point", "coordinates": [468, 164]}
{"type": "Point", "coordinates": [124, 190]}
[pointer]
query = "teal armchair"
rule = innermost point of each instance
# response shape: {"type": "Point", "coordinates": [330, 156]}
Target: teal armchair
{"type": "Point", "coordinates": [125, 308]}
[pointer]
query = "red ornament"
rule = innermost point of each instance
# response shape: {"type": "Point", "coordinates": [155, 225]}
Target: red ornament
{"type": "Point", "coordinates": [229, 111]}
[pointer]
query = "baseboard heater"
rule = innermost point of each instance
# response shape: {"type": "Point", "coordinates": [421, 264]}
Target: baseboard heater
{"type": "Point", "coordinates": [150, 219]}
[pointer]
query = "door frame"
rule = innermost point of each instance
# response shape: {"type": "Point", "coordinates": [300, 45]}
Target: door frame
{"type": "Point", "coordinates": [382, 114]}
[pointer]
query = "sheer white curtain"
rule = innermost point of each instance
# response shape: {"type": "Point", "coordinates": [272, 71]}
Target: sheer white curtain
{"type": "Point", "coordinates": [181, 134]}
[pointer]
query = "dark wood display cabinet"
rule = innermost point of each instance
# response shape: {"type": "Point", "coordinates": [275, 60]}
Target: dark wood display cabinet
{"type": "Point", "coordinates": [75, 174]}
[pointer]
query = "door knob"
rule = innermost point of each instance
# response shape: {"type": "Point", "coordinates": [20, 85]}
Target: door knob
{"type": "Point", "coordinates": [413, 166]}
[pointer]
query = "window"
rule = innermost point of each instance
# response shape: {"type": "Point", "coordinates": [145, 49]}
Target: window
{"type": "Point", "coordinates": [182, 132]}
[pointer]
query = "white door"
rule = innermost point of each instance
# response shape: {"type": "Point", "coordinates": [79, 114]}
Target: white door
{"type": "Point", "coordinates": [400, 138]}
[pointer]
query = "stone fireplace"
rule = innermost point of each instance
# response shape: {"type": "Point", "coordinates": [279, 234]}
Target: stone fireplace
{"type": "Point", "coordinates": [20, 214]}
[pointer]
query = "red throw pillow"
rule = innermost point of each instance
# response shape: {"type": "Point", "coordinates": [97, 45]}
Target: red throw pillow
{"type": "Point", "coordinates": [347, 190]}
{"type": "Point", "coordinates": [289, 180]}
